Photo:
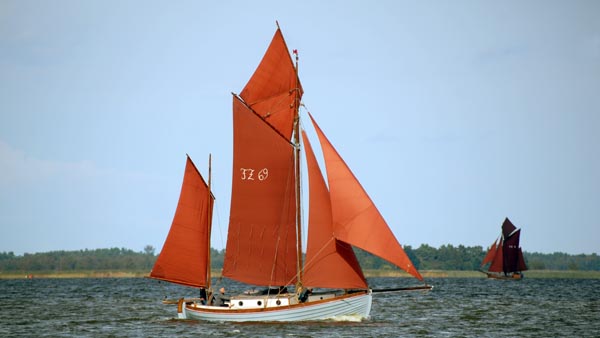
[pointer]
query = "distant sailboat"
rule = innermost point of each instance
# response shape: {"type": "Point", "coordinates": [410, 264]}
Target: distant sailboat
{"type": "Point", "coordinates": [264, 246]}
{"type": "Point", "coordinates": [504, 256]}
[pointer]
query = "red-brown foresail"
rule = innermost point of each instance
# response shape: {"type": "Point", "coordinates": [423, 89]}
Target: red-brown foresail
{"type": "Point", "coordinates": [330, 263]}
{"type": "Point", "coordinates": [355, 217]}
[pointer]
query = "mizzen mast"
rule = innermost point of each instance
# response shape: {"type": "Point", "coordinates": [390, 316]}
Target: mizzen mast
{"type": "Point", "coordinates": [209, 216]}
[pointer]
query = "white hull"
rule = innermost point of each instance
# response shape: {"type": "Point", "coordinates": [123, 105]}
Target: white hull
{"type": "Point", "coordinates": [351, 307]}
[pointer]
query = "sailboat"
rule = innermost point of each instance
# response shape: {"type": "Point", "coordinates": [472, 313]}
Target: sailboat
{"type": "Point", "coordinates": [504, 256]}
{"type": "Point", "coordinates": [264, 243]}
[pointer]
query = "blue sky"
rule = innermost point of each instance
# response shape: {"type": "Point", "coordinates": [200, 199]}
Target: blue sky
{"type": "Point", "coordinates": [453, 115]}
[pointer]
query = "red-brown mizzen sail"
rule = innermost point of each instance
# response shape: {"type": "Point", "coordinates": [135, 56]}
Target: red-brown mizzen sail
{"type": "Point", "coordinates": [330, 263]}
{"type": "Point", "coordinates": [261, 242]}
{"type": "Point", "coordinates": [184, 256]}
{"type": "Point", "coordinates": [271, 90]}
{"type": "Point", "coordinates": [355, 217]}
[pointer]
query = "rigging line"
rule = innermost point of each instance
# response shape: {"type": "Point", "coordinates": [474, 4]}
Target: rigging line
{"type": "Point", "coordinates": [219, 224]}
{"type": "Point", "coordinates": [296, 89]}
{"type": "Point", "coordinates": [304, 220]}
{"type": "Point", "coordinates": [304, 187]}
{"type": "Point", "coordinates": [306, 264]}
{"type": "Point", "coordinates": [274, 261]}
{"type": "Point", "coordinates": [309, 262]}
{"type": "Point", "coordinates": [279, 94]}
{"type": "Point", "coordinates": [220, 238]}
{"type": "Point", "coordinates": [216, 204]}
{"type": "Point", "coordinates": [282, 221]}
{"type": "Point", "coordinates": [302, 120]}
{"type": "Point", "coordinates": [302, 229]}
{"type": "Point", "coordinates": [268, 97]}
{"type": "Point", "coordinates": [262, 119]}
{"type": "Point", "coordinates": [425, 287]}
{"type": "Point", "coordinates": [275, 103]}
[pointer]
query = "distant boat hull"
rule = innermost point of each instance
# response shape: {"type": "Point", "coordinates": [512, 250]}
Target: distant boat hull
{"type": "Point", "coordinates": [348, 307]}
{"type": "Point", "coordinates": [501, 276]}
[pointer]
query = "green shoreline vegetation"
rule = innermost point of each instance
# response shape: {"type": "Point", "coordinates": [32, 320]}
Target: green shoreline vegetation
{"type": "Point", "coordinates": [427, 274]}
{"type": "Point", "coordinates": [445, 262]}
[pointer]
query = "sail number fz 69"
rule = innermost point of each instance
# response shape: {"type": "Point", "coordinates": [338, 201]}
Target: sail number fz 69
{"type": "Point", "coordinates": [249, 174]}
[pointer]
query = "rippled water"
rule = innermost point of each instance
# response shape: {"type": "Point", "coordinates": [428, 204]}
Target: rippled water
{"type": "Point", "coordinates": [455, 308]}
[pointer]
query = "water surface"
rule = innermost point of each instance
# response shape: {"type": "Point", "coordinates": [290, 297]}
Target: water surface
{"type": "Point", "coordinates": [457, 307]}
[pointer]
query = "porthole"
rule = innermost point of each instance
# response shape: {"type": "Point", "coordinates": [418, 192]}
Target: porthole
{"type": "Point", "coordinates": [278, 302]}
{"type": "Point", "coordinates": [241, 303]}
{"type": "Point", "coordinates": [259, 303]}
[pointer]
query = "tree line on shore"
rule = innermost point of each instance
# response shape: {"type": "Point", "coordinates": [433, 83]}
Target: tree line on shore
{"type": "Point", "coordinates": [425, 257]}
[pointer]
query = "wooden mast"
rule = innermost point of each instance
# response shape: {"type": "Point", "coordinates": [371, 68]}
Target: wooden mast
{"type": "Point", "coordinates": [298, 197]}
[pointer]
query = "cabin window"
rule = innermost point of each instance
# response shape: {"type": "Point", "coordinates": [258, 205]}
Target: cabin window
{"type": "Point", "coordinates": [278, 302]}
{"type": "Point", "coordinates": [259, 303]}
{"type": "Point", "coordinates": [241, 303]}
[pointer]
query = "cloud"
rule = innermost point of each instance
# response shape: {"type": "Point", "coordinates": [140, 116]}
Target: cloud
{"type": "Point", "coordinates": [16, 167]}
{"type": "Point", "coordinates": [19, 168]}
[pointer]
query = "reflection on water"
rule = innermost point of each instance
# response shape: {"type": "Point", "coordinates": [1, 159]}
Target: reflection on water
{"type": "Point", "coordinates": [456, 307]}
